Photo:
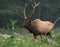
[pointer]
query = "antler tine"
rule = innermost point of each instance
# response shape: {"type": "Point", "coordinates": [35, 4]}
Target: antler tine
{"type": "Point", "coordinates": [34, 6]}
{"type": "Point", "coordinates": [25, 11]}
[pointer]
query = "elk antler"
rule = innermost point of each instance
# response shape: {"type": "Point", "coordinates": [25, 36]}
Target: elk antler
{"type": "Point", "coordinates": [25, 17]}
{"type": "Point", "coordinates": [35, 5]}
{"type": "Point", "coordinates": [33, 9]}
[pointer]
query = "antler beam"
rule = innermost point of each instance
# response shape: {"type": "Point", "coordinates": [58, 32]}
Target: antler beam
{"type": "Point", "coordinates": [25, 11]}
{"type": "Point", "coordinates": [34, 6]}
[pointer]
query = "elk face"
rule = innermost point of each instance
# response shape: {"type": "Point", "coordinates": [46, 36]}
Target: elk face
{"type": "Point", "coordinates": [27, 22]}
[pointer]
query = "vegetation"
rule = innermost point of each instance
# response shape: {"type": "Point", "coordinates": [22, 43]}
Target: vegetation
{"type": "Point", "coordinates": [25, 39]}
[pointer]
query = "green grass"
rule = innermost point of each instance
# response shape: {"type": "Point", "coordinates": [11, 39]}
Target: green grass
{"type": "Point", "coordinates": [27, 40]}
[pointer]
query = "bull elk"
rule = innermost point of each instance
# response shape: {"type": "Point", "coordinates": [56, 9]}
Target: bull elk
{"type": "Point", "coordinates": [37, 26]}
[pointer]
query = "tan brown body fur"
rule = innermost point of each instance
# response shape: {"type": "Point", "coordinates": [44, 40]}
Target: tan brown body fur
{"type": "Point", "coordinates": [42, 26]}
